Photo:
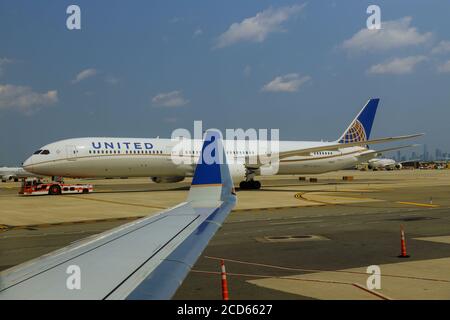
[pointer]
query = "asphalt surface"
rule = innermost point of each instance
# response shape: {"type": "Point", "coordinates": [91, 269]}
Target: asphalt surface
{"type": "Point", "coordinates": [348, 235]}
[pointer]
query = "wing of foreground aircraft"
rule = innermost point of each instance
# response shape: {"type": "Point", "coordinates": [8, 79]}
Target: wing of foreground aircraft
{"type": "Point", "coordinates": [254, 162]}
{"type": "Point", "coordinates": [146, 259]}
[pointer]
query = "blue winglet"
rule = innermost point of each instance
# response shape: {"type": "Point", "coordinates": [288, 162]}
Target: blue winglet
{"type": "Point", "coordinates": [212, 171]}
{"type": "Point", "coordinates": [207, 170]}
{"type": "Point", "coordinates": [361, 126]}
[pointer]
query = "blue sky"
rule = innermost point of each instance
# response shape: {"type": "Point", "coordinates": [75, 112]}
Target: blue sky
{"type": "Point", "coordinates": [145, 68]}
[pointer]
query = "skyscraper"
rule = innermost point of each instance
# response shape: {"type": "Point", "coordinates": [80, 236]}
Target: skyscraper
{"type": "Point", "coordinates": [425, 156]}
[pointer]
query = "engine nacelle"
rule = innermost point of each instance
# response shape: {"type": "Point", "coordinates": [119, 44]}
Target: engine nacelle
{"type": "Point", "coordinates": [237, 172]}
{"type": "Point", "coordinates": [7, 178]}
{"type": "Point", "coordinates": [167, 179]}
{"type": "Point", "coordinates": [398, 166]}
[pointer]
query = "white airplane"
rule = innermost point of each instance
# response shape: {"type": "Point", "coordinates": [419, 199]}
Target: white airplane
{"type": "Point", "coordinates": [145, 259]}
{"type": "Point", "coordinates": [141, 157]}
{"type": "Point", "coordinates": [15, 173]}
{"type": "Point", "coordinates": [383, 163]}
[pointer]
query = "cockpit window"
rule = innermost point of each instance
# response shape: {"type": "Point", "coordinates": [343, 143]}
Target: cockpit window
{"type": "Point", "coordinates": [45, 152]}
{"type": "Point", "coordinates": [37, 152]}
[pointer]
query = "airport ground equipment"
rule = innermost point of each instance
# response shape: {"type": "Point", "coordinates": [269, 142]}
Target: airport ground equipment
{"type": "Point", "coordinates": [34, 187]}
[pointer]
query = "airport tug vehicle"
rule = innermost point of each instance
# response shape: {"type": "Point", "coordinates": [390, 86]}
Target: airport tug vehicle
{"type": "Point", "coordinates": [34, 187]}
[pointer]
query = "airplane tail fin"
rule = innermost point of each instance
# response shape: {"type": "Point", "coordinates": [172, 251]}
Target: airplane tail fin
{"type": "Point", "coordinates": [360, 128]}
{"type": "Point", "coordinates": [212, 181]}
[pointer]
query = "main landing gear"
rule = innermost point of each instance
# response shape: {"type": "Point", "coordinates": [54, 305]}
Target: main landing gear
{"type": "Point", "coordinates": [250, 185]}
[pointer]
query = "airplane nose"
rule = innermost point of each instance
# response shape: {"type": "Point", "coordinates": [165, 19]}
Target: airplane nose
{"type": "Point", "coordinates": [28, 163]}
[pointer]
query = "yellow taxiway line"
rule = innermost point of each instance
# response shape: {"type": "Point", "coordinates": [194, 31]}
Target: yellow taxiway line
{"type": "Point", "coordinates": [418, 204]}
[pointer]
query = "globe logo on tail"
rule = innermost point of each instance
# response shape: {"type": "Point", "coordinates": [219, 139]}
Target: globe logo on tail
{"type": "Point", "coordinates": [355, 134]}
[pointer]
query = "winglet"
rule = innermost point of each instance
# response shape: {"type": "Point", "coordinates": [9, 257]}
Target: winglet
{"type": "Point", "coordinates": [212, 181]}
{"type": "Point", "coordinates": [360, 128]}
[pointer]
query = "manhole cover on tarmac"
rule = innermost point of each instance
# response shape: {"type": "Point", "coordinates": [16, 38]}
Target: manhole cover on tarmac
{"type": "Point", "coordinates": [291, 238]}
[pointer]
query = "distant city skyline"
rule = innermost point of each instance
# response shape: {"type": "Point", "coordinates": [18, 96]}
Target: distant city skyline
{"type": "Point", "coordinates": [425, 155]}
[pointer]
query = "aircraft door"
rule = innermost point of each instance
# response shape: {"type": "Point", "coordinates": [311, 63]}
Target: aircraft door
{"type": "Point", "coordinates": [71, 153]}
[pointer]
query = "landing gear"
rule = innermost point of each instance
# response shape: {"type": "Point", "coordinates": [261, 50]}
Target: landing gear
{"type": "Point", "coordinates": [250, 185]}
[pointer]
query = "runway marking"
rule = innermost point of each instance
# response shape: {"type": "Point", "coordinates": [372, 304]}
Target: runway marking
{"type": "Point", "coordinates": [438, 239]}
{"type": "Point", "coordinates": [318, 270]}
{"type": "Point", "coordinates": [294, 222]}
{"type": "Point", "coordinates": [418, 204]}
{"type": "Point", "coordinates": [372, 292]}
{"type": "Point", "coordinates": [115, 202]}
{"type": "Point", "coordinates": [277, 208]}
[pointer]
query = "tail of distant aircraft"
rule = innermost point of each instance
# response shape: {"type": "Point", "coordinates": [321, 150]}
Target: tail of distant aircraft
{"type": "Point", "coordinates": [360, 128]}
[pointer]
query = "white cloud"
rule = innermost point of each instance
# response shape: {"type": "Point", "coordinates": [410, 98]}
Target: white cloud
{"type": "Point", "coordinates": [170, 99]}
{"type": "Point", "coordinates": [287, 83]}
{"type": "Point", "coordinates": [83, 75]}
{"type": "Point", "coordinates": [442, 47]}
{"type": "Point", "coordinates": [257, 28]}
{"type": "Point", "coordinates": [3, 62]}
{"type": "Point", "coordinates": [198, 32]}
{"type": "Point", "coordinates": [397, 65]}
{"type": "Point", "coordinates": [393, 34]}
{"type": "Point", "coordinates": [444, 68]}
{"type": "Point", "coordinates": [25, 99]}
{"type": "Point", "coordinates": [175, 20]}
{"type": "Point", "coordinates": [111, 80]}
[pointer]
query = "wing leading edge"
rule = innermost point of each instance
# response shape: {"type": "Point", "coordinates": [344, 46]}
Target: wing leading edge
{"type": "Point", "coordinates": [145, 259]}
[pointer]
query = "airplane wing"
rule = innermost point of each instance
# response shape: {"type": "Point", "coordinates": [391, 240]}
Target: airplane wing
{"type": "Point", "coordinates": [145, 259]}
{"type": "Point", "coordinates": [254, 161]}
{"type": "Point", "coordinates": [374, 153]}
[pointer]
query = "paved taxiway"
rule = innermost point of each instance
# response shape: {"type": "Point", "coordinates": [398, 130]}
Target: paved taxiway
{"type": "Point", "coordinates": [353, 225]}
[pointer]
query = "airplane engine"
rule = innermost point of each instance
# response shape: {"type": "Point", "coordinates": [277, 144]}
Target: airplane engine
{"type": "Point", "coordinates": [237, 171]}
{"type": "Point", "coordinates": [398, 166]}
{"type": "Point", "coordinates": [167, 179]}
{"type": "Point", "coordinates": [7, 178]}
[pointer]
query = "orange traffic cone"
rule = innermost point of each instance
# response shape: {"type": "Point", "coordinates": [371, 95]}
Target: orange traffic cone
{"type": "Point", "coordinates": [402, 244]}
{"type": "Point", "coordinates": [224, 281]}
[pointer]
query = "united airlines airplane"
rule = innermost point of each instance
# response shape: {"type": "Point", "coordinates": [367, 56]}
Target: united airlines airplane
{"type": "Point", "coordinates": [154, 158]}
{"type": "Point", "coordinates": [145, 259]}
{"type": "Point", "coordinates": [15, 173]}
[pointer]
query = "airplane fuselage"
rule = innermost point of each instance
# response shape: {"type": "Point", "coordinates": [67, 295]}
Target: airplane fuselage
{"type": "Point", "coordinates": [138, 157]}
